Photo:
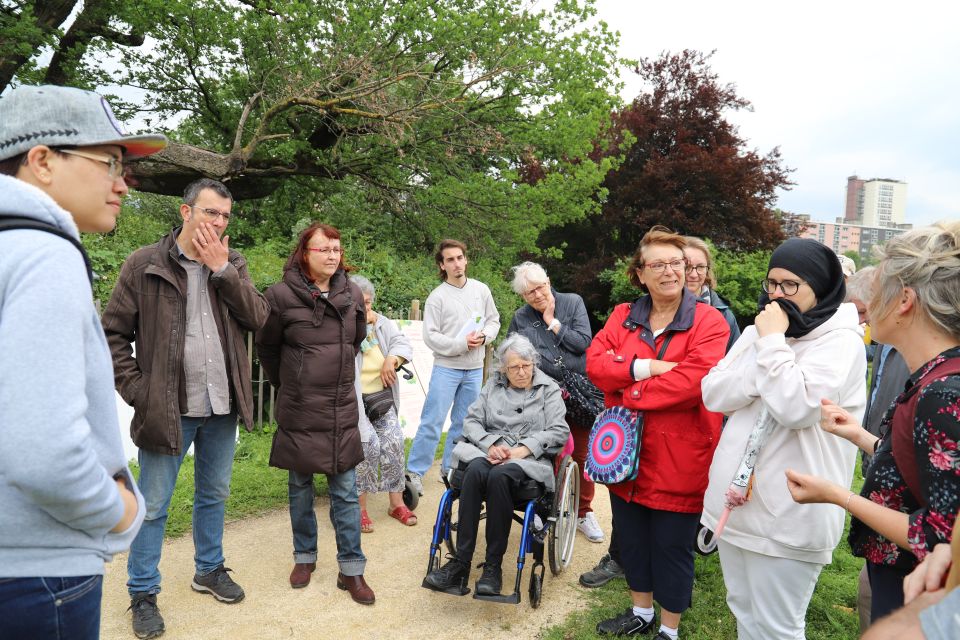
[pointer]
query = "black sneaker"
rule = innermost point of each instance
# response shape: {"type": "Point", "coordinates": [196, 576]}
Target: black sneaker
{"type": "Point", "coordinates": [450, 576]}
{"type": "Point", "coordinates": [625, 624]}
{"type": "Point", "coordinates": [147, 621]}
{"type": "Point", "coordinates": [491, 580]}
{"type": "Point", "coordinates": [605, 571]}
{"type": "Point", "coordinates": [219, 585]}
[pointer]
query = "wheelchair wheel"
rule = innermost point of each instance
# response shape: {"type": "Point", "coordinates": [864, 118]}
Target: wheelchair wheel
{"type": "Point", "coordinates": [536, 588]}
{"type": "Point", "coordinates": [410, 496]}
{"type": "Point", "coordinates": [706, 543]}
{"type": "Point", "coordinates": [566, 501]}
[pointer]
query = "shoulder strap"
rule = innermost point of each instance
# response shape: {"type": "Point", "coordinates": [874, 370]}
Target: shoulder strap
{"type": "Point", "coordinates": [19, 222]}
{"type": "Point", "coordinates": [903, 448]}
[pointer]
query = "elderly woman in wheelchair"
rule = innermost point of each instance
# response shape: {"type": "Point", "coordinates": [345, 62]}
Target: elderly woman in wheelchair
{"type": "Point", "coordinates": [505, 457]}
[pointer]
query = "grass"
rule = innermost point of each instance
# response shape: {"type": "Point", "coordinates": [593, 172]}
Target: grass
{"type": "Point", "coordinates": [255, 486]}
{"type": "Point", "coordinates": [830, 616]}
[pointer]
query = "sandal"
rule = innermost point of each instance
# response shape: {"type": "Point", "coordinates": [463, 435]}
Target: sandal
{"type": "Point", "coordinates": [404, 515]}
{"type": "Point", "coordinates": [366, 524]}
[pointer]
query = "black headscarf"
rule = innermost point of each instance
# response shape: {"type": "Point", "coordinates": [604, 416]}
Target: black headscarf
{"type": "Point", "coordinates": [819, 267]}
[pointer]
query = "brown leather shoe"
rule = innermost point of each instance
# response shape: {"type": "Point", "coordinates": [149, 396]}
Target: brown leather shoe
{"type": "Point", "coordinates": [300, 576]}
{"type": "Point", "coordinates": [357, 586]}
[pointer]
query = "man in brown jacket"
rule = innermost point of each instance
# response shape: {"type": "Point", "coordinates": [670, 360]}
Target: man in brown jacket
{"type": "Point", "coordinates": [186, 302]}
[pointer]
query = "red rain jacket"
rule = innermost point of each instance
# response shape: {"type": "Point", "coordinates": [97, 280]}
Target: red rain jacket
{"type": "Point", "coordinates": [679, 434]}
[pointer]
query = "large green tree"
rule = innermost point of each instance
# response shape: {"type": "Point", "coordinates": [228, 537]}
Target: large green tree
{"type": "Point", "coordinates": [417, 113]}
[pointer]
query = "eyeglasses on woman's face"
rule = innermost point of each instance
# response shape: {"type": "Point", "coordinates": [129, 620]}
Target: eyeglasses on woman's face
{"type": "Point", "coordinates": [326, 251]}
{"type": "Point", "coordinates": [520, 368]}
{"type": "Point", "coordinates": [787, 287]}
{"type": "Point", "coordinates": [659, 267]}
{"type": "Point", "coordinates": [701, 269]}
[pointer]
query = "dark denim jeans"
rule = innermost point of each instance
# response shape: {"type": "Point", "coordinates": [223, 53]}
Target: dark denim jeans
{"type": "Point", "coordinates": [51, 608]}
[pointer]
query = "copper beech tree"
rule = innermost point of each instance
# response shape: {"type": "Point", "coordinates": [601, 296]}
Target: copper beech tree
{"type": "Point", "coordinates": [684, 166]}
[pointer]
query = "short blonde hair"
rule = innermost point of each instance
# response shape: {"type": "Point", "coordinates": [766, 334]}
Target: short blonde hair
{"type": "Point", "coordinates": [527, 274]}
{"type": "Point", "coordinates": [657, 235]}
{"type": "Point", "coordinates": [700, 245]}
{"type": "Point", "coordinates": [926, 260]}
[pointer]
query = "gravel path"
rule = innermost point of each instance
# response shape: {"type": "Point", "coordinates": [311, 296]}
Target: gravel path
{"type": "Point", "coordinates": [259, 550]}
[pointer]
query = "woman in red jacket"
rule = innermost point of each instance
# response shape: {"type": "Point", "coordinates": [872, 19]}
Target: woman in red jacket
{"type": "Point", "coordinates": [655, 516]}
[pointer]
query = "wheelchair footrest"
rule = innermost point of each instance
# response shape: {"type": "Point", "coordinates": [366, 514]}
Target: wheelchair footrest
{"type": "Point", "coordinates": [513, 598]}
{"type": "Point", "coordinates": [457, 590]}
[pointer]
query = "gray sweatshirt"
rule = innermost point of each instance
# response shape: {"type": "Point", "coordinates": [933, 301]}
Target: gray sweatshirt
{"type": "Point", "coordinates": [59, 434]}
{"type": "Point", "coordinates": [447, 312]}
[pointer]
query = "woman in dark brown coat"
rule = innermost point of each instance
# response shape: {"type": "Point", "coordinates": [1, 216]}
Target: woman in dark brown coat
{"type": "Point", "coordinates": [308, 349]}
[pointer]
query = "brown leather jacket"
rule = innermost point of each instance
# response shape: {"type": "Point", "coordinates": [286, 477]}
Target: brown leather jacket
{"type": "Point", "coordinates": [148, 306]}
{"type": "Point", "coordinates": [308, 348]}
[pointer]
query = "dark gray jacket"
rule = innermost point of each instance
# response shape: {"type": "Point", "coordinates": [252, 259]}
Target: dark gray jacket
{"type": "Point", "coordinates": [572, 340]}
{"type": "Point", "coordinates": [888, 385]}
{"type": "Point", "coordinates": [713, 298]}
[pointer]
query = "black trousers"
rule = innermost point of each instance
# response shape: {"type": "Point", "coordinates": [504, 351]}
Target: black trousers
{"type": "Point", "coordinates": [886, 585]}
{"type": "Point", "coordinates": [498, 484]}
{"type": "Point", "coordinates": [656, 551]}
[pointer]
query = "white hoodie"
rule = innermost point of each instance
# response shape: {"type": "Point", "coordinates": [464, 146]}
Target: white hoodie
{"type": "Point", "coordinates": [789, 376]}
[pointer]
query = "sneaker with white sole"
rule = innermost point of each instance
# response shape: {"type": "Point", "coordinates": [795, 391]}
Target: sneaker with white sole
{"type": "Point", "coordinates": [587, 525]}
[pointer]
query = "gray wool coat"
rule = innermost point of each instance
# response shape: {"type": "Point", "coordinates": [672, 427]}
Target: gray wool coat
{"type": "Point", "coordinates": [536, 422]}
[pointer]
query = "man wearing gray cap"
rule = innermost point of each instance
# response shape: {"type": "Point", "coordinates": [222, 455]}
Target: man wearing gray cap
{"type": "Point", "coordinates": [67, 499]}
{"type": "Point", "coordinates": [187, 301]}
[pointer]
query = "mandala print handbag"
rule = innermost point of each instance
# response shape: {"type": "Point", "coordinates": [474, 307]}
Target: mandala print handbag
{"type": "Point", "coordinates": [613, 450]}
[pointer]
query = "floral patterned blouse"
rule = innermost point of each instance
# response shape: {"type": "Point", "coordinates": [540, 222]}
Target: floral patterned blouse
{"type": "Point", "coordinates": [936, 432]}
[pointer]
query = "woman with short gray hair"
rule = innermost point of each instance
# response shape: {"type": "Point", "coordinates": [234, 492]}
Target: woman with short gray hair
{"type": "Point", "coordinates": [558, 327]}
{"type": "Point", "coordinates": [378, 391]}
{"type": "Point", "coordinates": [509, 436]}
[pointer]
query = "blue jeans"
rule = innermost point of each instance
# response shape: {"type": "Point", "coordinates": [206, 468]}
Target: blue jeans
{"type": "Point", "coordinates": [214, 441]}
{"type": "Point", "coordinates": [457, 387]}
{"type": "Point", "coordinates": [344, 516]}
{"type": "Point", "coordinates": [51, 608]}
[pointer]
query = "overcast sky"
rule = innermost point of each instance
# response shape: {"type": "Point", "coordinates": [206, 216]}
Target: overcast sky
{"type": "Point", "coordinates": [843, 88]}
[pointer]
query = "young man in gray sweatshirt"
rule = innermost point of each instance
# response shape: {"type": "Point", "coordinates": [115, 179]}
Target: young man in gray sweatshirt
{"type": "Point", "coordinates": [459, 317]}
{"type": "Point", "coordinates": [67, 499]}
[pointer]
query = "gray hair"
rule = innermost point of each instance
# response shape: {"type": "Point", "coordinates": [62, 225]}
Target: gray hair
{"type": "Point", "coordinates": [519, 345]}
{"type": "Point", "coordinates": [527, 274]}
{"type": "Point", "coordinates": [860, 285]}
{"type": "Point", "coordinates": [928, 261]}
{"type": "Point", "coordinates": [192, 192]}
{"type": "Point", "coordinates": [366, 287]}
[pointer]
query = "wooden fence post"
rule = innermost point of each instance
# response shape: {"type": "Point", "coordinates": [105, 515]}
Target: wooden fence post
{"type": "Point", "coordinates": [415, 309]}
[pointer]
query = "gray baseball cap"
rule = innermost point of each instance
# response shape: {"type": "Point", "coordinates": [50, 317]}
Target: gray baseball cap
{"type": "Point", "coordinates": [65, 116]}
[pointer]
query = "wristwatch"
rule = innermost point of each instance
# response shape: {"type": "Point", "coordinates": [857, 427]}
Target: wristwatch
{"type": "Point", "coordinates": [553, 323]}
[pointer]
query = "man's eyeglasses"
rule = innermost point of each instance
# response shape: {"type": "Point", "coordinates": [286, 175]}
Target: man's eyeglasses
{"type": "Point", "coordinates": [517, 368]}
{"type": "Point", "coordinates": [114, 166]}
{"type": "Point", "coordinates": [701, 269]}
{"type": "Point", "coordinates": [788, 287]}
{"type": "Point", "coordinates": [326, 251]}
{"type": "Point", "coordinates": [213, 214]}
{"type": "Point", "coordinates": [659, 267]}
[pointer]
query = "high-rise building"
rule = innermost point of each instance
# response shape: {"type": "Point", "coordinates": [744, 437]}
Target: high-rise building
{"type": "Point", "coordinates": [878, 202]}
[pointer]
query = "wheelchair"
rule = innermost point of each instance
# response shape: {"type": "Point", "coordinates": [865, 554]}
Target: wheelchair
{"type": "Point", "coordinates": [557, 529]}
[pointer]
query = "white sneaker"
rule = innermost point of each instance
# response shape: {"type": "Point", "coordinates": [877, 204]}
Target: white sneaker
{"type": "Point", "coordinates": [416, 481]}
{"type": "Point", "coordinates": [587, 525]}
